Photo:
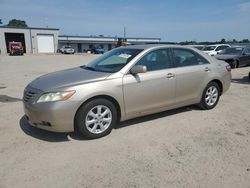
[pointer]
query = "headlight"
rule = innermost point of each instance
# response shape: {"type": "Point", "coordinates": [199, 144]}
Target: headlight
{"type": "Point", "coordinates": [56, 96]}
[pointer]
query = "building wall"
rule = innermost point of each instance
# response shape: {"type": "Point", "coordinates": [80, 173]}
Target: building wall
{"type": "Point", "coordinates": [85, 45]}
{"type": "Point", "coordinates": [30, 36]}
{"type": "Point", "coordinates": [10, 30]}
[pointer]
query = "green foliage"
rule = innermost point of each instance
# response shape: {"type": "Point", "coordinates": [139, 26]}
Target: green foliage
{"type": "Point", "coordinates": [222, 41]}
{"type": "Point", "coordinates": [17, 23]}
{"type": "Point", "coordinates": [119, 42]}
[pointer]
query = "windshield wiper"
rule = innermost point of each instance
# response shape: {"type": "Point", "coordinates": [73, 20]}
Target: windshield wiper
{"type": "Point", "coordinates": [89, 68]}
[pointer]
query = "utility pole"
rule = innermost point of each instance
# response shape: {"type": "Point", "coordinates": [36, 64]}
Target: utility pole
{"type": "Point", "coordinates": [124, 34]}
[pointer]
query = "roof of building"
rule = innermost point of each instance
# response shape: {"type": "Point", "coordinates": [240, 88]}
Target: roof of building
{"type": "Point", "coordinates": [108, 37]}
{"type": "Point", "coordinates": [35, 28]}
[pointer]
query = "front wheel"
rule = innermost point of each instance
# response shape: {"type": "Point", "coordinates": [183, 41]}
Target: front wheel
{"type": "Point", "coordinates": [96, 118]}
{"type": "Point", "coordinates": [235, 64]}
{"type": "Point", "coordinates": [210, 96]}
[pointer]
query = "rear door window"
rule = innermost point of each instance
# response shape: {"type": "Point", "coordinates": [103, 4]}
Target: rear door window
{"type": "Point", "coordinates": [185, 57]}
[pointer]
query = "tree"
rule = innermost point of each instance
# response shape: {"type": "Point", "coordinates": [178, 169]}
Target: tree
{"type": "Point", "coordinates": [245, 41]}
{"type": "Point", "coordinates": [235, 41]}
{"type": "Point", "coordinates": [223, 41]}
{"type": "Point", "coordinates": [17, 23]}
{"type": "Point", "coordinates": [1, 21]}
{"type": "Point", "coordinates": [119, 42]}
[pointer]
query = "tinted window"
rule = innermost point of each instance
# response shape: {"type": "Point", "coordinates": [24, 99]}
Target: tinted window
{"type": "Point", "coordinates": [232, 50]}
{"type": "Point", "coordinates": [209, 48]}
{"type": "Point", "coordinates": [156, 60]}
{"type": "Point", "coordinates": [185, 57]}
{"type": "Point", "coordinates": [221, 48]}
{"type": "Point", "coordinates": [248, 51]}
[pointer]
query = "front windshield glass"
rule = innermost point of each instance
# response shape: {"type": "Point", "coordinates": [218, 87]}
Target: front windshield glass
{"type": "Point", "coordinates": [113, 60]}
{"type": "Point", "coordinates": [209, 48]}
{"type": "Point", "coordinates": [232, 51]}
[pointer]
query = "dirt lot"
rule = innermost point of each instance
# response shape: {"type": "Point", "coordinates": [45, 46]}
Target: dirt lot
{"type": "Point", "coordinates": [186, 147]}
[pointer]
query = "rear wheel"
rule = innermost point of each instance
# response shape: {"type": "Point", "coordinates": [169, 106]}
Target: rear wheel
{"type": "Point", "coordinates": [96, 118]}
{"type": "Point", "coordinates": [210, 96]}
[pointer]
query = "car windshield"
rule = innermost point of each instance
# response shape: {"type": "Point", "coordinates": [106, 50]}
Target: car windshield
{"type": "Point", "coordinates": [209, 48]}
{"type": "Point", "coordinates": [67, 47]}
{"type": "Point", "coordinates": [234, 50]}
{"type": "Point", "coordinates": [113, 60]}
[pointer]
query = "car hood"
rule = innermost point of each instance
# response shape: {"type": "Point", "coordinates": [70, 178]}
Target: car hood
{"type": "Point", "coordinates": [225, 56]}
{"type": "Point", "coordinates": [67, 78]}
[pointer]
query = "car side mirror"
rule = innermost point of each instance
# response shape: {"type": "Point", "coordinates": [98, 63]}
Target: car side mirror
{"type": "Point", "coordinates": [138, 69]}
{"type": "Point", "coordinates": [244, 53]}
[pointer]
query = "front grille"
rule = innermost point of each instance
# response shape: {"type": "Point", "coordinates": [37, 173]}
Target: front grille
{"type": "Point", "coordinates": [29, 96]}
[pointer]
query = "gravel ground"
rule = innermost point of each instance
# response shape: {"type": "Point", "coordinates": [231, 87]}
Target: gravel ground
{"type": "Point", "coordinates": [186, 147]}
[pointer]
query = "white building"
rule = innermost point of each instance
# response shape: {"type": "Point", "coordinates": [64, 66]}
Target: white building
{"type": "Point", "coordinates": [84, 43]}
{"type": "Point", "coordinates": [48, 40]}
{"type": "Point", "coordinates": [34, 40]}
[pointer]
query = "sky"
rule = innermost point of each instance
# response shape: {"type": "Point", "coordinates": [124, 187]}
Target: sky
{"type": "Point", "coordinates": [172, 21]}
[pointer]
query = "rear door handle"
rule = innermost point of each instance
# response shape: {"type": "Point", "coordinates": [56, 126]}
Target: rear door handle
{"type": "Point", "coordinates": [170, 75]}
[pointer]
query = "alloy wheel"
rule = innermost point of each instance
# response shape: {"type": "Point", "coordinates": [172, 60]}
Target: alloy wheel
{"type": "Point", "coordinates": [211, 96]}
{"type": "Point", "coordinates": [98, 119]}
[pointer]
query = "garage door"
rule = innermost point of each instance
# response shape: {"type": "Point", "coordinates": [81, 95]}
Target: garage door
{"type": "Point", "coordinates": [45, 43]}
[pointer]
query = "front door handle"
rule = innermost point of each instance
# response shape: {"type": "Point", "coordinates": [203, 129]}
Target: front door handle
{"type": "Point", "coordinates": [170, 75]}
{"type": "Point", "coordinates": [207, 69]}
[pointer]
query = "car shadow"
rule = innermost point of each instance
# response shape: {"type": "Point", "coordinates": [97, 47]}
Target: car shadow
{"type": "Point", "coordinates": [6, 99]}
{"type": "Point", "coordinates": [46, 135]}
{"type": "Point", "coordinates": [156, 116]}
{"type": "Point", "coordinates": [64, 137]}
{"type": "Point", "coordinates": [243, 80]}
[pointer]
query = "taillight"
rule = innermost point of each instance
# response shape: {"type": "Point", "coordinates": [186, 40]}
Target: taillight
{"type": "Point", "coordinates": [228, 67]}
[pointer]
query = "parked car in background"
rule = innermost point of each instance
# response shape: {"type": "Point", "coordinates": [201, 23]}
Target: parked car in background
{"type": "Point", "coordinates": [15, 48]}
{"type": "Point", "coordinates": [95, 50]}
{"type": "Point", "coordinates": [122, 84]}
{"type": "Point", "coordinates": [236, 56]}
{"type": "Point", "coordinates": [98, 50]}
{"type": "Point", "coordinates": [215, 49]}
{"type": "Point", "coordinates": [67, 50]}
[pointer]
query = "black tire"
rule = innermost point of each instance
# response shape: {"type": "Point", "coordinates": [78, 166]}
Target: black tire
{"type": "Point", "coordinates": [203, 104]}
{"type": "Point", "coordinates": [237, 65]}
{"type": "Point", "coordinates": [234, 65]}
{"type": "Point", "coordinates": [80, 126]}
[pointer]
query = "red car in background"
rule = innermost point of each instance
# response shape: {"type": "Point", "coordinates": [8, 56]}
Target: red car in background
{"type": "Point", "coordinates": [15, 48]}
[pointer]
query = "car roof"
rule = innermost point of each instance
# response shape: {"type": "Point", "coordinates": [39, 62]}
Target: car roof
{"type": "Point", "coordinates": [148, 46]}
{"type": "Point", "coordinates": [237, 46]}
{"type": "Point", "coordinates": [218, 45]}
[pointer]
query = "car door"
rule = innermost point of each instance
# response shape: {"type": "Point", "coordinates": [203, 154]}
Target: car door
{"type": "Point", "coordinates": [192, 73]}
{"type": "Point", "coordinates": [245, 57]}
{"type": "Point", "coordinates": [248, 55]}
{"type": "Point", "coordinates": [219, 49]}
{"type": "Point", "coordinates": [153, 89]}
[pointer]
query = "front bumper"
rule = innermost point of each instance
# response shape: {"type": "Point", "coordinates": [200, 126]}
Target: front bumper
{"type": "Point", "coordinates": [51, 116]}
